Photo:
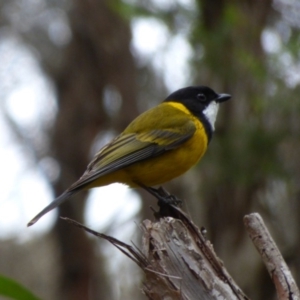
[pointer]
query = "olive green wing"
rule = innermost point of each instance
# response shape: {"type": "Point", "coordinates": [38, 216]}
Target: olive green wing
{"type": "Point", "coordinates": [130, 148]}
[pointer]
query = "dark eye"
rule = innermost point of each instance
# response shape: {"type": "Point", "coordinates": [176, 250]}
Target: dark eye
{"type": "Point", "coordinates": [201, 97]}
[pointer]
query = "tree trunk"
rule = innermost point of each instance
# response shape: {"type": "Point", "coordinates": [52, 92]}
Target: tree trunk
{"type": "Point", "coordinates": [97, 58]}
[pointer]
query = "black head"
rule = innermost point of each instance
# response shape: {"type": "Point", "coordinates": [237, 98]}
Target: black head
{"type": "Point", "coordinates": [201, 101]}
{"type": "Point", "coordinates": [196, 97]}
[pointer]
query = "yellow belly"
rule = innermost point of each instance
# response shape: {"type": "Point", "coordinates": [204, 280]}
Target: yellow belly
{"type": "Point", "coordinates": [169, 165]}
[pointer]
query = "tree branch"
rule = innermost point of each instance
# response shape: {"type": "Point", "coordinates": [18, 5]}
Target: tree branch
{"type": "Point", "coordinates": [282, 278]}
{"type": "Point", "coordinates": [178, 261]}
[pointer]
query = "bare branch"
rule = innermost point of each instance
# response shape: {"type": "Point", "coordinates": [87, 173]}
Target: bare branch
{"type": "Point", "coordinates": [282, 278]}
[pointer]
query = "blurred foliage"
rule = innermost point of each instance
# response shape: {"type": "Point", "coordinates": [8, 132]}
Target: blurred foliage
{"type": "Point", "coordinates": [14, 290]}
{"type": "Point", "coordinates": [249, 49]}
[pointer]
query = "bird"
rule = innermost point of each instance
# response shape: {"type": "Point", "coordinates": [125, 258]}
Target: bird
{"type": "Point", "coordinates": [157, 146]}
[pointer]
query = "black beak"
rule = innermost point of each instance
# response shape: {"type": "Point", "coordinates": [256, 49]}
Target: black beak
{"type": "Point", "coordinates": [223, 97]}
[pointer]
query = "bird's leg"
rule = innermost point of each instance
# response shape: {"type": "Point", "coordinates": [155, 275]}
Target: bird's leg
{"type": "Point", "coordinates": [172, 199]}
{"type": "Point", "coordinates": [163, 196]}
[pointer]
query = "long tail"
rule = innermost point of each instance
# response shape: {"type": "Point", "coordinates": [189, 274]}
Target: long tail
{"type": "Point", "coordinates": [59, 200]}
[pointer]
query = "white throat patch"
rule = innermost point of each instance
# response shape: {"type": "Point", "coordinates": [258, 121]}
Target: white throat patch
{"type": "Point", "coordinates": [210, 112]}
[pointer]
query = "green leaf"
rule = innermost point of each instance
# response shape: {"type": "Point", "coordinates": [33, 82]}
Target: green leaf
{"type": "Point", "coordinates": [14, 290]}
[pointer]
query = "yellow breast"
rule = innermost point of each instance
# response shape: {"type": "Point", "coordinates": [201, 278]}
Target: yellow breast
{"type": "Point", "coordinates": [173, 163]}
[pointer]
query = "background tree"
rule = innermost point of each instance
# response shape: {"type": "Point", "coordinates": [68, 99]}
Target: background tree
{"type": "Point", "coordinates": [249, 49]}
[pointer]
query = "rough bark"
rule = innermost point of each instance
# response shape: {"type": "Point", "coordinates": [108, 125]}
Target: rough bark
{"type": "Point", "coordinates": [177, 260]}
{"type": "Point", "coordinates": [183, 265]}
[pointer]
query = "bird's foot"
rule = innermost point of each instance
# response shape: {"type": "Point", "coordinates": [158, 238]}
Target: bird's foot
{"type": "Point", "coordinates": [168, 198]}
{"type": "Point", "coordinates": [164, 197]}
